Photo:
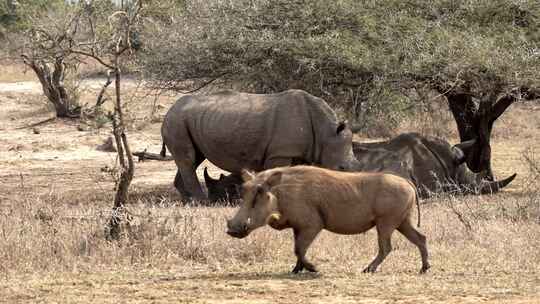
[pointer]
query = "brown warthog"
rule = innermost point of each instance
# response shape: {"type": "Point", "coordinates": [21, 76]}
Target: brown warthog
{"type": "Point", "coordinates": [309, 199]}
{"type": "Point", "coordinates": [254, 131]}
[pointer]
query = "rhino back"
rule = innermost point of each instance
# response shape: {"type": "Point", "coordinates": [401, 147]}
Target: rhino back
{"type": "Point", "coordinates": [239, 130]}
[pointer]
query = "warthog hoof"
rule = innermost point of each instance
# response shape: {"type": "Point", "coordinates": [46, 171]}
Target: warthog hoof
{"type": "Point", "coordinates": [304, 265]}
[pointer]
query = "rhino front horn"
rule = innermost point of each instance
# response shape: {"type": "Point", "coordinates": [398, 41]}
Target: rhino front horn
{"type": "Point", "coordinates": [495, 186]}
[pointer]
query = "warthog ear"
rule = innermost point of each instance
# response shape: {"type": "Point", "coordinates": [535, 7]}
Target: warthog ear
{"type": "Point", "coordinates": [341, 126]}
{"type": "Point", "coordinates": [247, 176]}
{"type": "Point", "coordinates": [272, 180]}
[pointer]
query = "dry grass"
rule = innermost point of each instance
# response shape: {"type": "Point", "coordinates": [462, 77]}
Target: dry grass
{"type": "Point", "coordinates": [55, 201]}
{"type": "Point", "coordinates": [54, 250]}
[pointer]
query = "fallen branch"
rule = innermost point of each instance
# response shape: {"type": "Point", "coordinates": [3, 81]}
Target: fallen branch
{"type": "Point", "coordinates": [151, 156]}
{"type": "Point", "coordinates": [37, 123]}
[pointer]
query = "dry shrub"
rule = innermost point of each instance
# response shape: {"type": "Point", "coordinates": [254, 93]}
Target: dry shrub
{"type": "Point", "coordinates": [431, 116]}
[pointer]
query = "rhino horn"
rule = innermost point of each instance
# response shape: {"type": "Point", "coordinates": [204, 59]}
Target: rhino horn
{"type": "Point", "coordinates": [461, 150]}
{"type": "Point", "coordinates": [466, 145]}
{"type": "Point", "coordinates": [492, 187]}
{"type": "Point", "coordinates": [207, 179]}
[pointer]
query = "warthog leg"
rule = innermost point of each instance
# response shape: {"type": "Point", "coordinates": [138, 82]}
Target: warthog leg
{"type": "Point", "coordinates": [418, 239]}
{"type": "Point", "coordinates": [302, 239]}
{"type": "Point", "coordinates": [384, 235]}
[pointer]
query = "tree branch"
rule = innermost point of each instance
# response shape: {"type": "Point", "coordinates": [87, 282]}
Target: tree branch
{"type": "Point", "coordinates": [94, 57]}
{"type": "Point", "coordinates": [500, 106]}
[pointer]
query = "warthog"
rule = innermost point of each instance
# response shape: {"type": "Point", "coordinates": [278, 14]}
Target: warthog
{"type": "Point", "coordinates": [369, 160]}
{"type": "Point", "coordinates": [254, 131]}
{"type": "Point", "coordinates": [309, 199]}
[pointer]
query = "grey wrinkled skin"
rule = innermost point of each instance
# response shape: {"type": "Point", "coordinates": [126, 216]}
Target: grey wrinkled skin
{"type": "Point", "coordinates": [430, 162]}
{"type": "Point", "coordinates": [253, 131]}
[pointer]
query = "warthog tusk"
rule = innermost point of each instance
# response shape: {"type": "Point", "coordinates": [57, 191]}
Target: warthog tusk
{"type": "Point", "coordinates": [248, 222]}
{"type": "Point", "coordinates": [274, 217]}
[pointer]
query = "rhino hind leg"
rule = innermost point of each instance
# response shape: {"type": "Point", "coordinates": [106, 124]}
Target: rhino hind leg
{"type": "Point", "coordinates": [384, 238]}
{"type": "Point", "coordinates": [179, 184]}
{"type": "Point", "coordinates": [187, 160]}
{"type": "Point", "coordinates": [192, 187]}
{"type": "Point", "coordinates": [302, 239]}
{"type": "Point", "coordinates": [417, 238]}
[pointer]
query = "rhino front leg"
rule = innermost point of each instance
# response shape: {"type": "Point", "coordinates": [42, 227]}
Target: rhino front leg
{"type": "Point", "coordinates": [302, 239]}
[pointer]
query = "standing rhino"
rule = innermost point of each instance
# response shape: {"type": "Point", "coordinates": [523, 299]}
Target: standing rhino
{"type": "Point", "coordinates": [433, 164]}
{"type": "Point", "coordinates": [254, 131]}
{"type": "Point", "coordinates": [309, 199]}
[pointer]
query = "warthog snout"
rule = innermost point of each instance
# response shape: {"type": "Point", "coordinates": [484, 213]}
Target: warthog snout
{"type": "Point", "coordinates": [238, 230]}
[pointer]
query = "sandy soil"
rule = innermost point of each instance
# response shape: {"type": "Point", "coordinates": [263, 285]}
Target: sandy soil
{"type": "Point", "coordinates": [63, 160]}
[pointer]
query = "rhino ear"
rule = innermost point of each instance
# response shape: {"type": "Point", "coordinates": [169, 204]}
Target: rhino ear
{"type": "Point", "coordinates": [341, 126]}
{"type": "Point", "coordinates": [461, 150]}
{"type": "Point", "coordinates": [459, 156]}
{"type": "Point", "coordinates": [207, 179]}
{"type": "Point", "coordinates": [247, 176]}
{"type": "Point", "coordinates": [272, 180]}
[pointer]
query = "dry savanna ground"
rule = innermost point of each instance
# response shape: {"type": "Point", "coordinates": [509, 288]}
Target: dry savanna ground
{"type": "Point", "coordinates": [56, 193]}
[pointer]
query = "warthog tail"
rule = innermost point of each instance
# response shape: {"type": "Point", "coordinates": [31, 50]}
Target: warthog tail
{"type": "Point", "coordinates": [412, 181]}
{"type": "Point", "coordinates": [417, 206]}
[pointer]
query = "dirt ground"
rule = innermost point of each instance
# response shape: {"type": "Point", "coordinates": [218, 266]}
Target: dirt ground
{"type": "Point", "coordinates": [53, 182]}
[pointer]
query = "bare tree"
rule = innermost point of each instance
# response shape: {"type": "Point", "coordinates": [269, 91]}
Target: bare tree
{"type": "Point", "coordinates": [103, 33]}
{"type": "Point", "coordinates": [44, 52]}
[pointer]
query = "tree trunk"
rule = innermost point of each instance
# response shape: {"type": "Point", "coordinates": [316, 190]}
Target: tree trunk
{"type": "Point", "coordinates": [53, 86]}
{"type": "Point", "coordinates": [475, 120]}
{"type": "Point", "coordinates": [126, 164]}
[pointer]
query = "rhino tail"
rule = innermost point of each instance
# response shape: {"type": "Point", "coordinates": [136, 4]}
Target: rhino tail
{"type": "Point", "coordinates": [492, 187]}
{"type": "Point", "coordinates": [163, 150]}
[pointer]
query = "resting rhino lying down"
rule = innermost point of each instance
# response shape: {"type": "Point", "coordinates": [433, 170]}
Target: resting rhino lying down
{"type": "Point", "coordinates": [254, 131]}
{"type": "Point", "coordinates": [431, 163]}
{"type": "Point", "coordinates": [309, 199]}
{"type": "Point", "coordinates": [435, 166]}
